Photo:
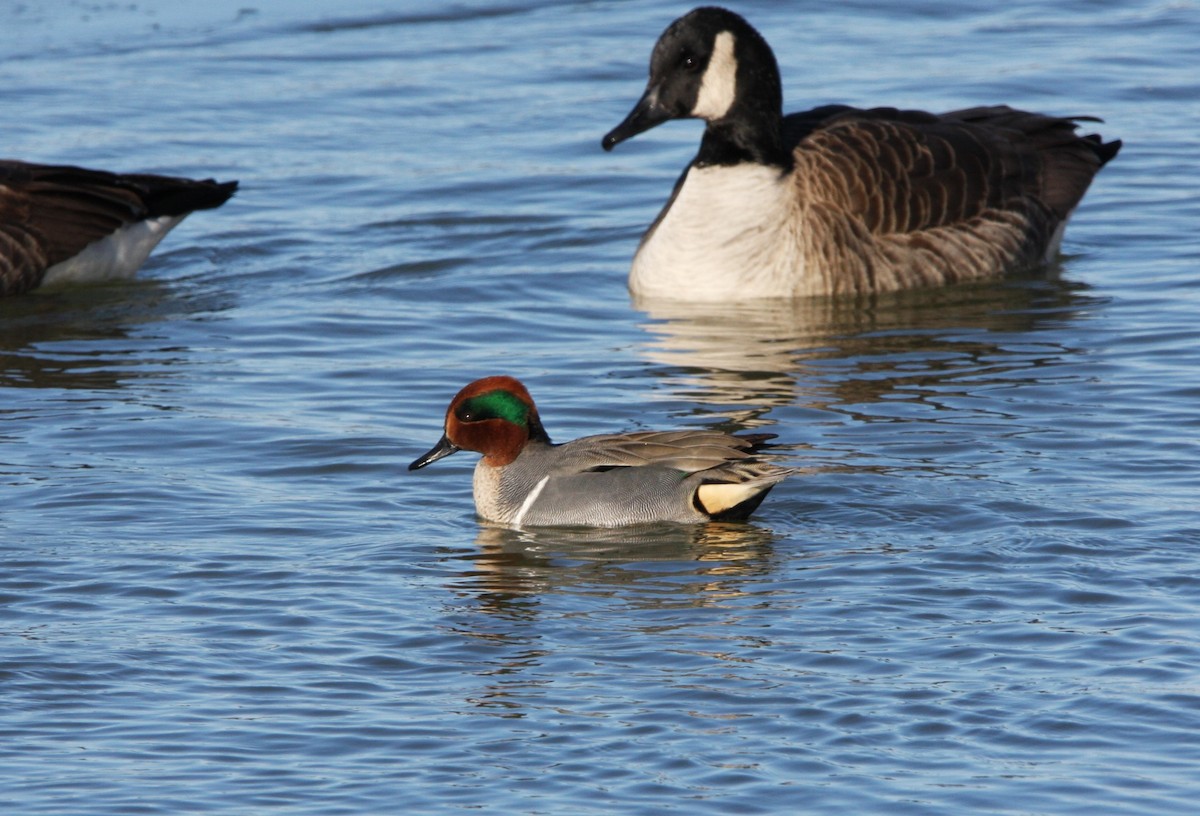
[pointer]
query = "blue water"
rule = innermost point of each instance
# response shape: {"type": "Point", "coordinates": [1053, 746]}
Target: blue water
{"type": "Point", "coordinates": [221, 591]}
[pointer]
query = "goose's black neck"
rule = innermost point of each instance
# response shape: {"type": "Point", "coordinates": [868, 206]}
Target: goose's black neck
{"type": "Point", "coordinates": [752, 129]}
{"type": "Point", "coordinates": [731, 141]}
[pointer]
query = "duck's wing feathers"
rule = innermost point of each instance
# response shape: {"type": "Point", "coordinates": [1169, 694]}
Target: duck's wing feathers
{"type": "Point", "coordinates": [908, 171]}
{"type": "Point", "coordinates": [687, 451]}
{"type": "Point", "coordinates": [51, 213]}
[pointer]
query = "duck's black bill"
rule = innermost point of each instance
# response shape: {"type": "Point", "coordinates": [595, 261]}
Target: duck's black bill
{"type": "Point", "coordinates": [441, 450]}
{"type": "Point", "coordinates": [645, 115]}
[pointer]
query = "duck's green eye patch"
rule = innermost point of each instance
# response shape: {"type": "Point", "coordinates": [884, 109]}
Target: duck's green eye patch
{"type": "Point", "coordinates": [493, 405]}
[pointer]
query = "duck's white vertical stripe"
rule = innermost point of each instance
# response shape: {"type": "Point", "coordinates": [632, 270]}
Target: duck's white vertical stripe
{"type": "Point", "coordinates": [529, 500]}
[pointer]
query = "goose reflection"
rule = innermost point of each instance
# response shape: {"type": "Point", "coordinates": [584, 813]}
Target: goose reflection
{"type": "Point", "coordinates": [87, 337]}
{"type": "Point", "coordinates": [742, 359]}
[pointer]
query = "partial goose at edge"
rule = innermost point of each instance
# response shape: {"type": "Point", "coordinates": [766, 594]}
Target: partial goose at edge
{"type": "Point", "coordinates": [62, 225]}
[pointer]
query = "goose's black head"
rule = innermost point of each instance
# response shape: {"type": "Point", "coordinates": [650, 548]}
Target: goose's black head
{"type": "Point", "coordinates": [711, 64]}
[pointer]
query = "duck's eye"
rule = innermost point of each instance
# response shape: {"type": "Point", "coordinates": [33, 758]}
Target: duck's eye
{"type": "Point", "coordinates": [465, 415]}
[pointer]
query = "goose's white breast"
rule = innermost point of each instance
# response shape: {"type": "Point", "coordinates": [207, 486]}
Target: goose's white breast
{"type": "Point", "coordinates": [732, 231]}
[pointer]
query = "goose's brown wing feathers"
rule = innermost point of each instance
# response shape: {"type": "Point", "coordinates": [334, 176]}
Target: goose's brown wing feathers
{"type": "Point", "coordinates": [51, 213]}
{"type": "Point", "coordinates": [906, 171]}
{"type": "Point", "coordinates": [1066, 162]}
{"type": "Point", "coordinates": [903, 198]}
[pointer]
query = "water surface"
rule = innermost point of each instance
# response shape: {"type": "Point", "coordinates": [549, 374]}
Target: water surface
{"type": "Point", "coordinates": [221, 591]}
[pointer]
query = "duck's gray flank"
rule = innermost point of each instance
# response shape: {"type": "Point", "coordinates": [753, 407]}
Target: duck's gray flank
{"type": "Point", "coordinates": [839, 199]}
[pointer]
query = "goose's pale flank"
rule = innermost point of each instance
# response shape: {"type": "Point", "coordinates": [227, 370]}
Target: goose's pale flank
{"type": "Point", "coordinates": [61, 225]}
{"type": "Point", "coordinates": [839, 200]}
{"type": "Point", "coordinates": [609, 480]}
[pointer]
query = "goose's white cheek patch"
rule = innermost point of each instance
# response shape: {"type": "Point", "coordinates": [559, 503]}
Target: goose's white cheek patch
{"type": "Point", "coordinates": [718, 86]}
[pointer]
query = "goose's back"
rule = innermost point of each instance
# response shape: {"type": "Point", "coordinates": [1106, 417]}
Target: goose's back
{"type": "Point", "coordinates": [895, 199]}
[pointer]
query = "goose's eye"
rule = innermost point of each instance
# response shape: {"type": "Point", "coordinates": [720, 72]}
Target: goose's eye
{"type": "Point", "coordinates": [688, 62]}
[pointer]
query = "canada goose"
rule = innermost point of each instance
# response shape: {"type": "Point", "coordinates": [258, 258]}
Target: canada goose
{"type": "Point", "coordinates": [837, 199]}
{"type": "Point", "coordinates": [61, 224]}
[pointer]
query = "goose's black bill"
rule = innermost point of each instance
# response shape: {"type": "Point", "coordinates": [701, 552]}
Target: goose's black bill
{"type": "Point", "coordinates": [646, 114]}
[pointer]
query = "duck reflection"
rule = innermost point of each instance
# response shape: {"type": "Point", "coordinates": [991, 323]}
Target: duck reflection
{"type": "Point", "coordinates": [512, 567]}
{"type": "Point", "coordinates": [748, 357]}
{"type": "Point", "coordinates": [658, 567]}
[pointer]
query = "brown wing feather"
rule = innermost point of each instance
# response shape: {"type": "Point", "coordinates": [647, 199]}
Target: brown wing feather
{"type": "Point", "coordinates": [905, 171]}
{"type": "Point", "coordinates": [23, 259]}
{"type": "Point", "coordinates": [689, 451]}
{"type": "Point", "coordinates": [901, 198]}
{"type": "Point", "coordinates": [50, 213]}
{"type": "Point", "coordinates": [1067, 161]}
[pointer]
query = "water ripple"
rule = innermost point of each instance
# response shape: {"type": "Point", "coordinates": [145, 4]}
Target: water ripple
{"type": "Point", "coordinates": [221, 591]}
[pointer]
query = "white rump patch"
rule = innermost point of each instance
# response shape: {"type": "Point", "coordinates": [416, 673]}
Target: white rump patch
{"type": "Point", "coordinates": [718, 86]}
{"type": "Point", "coordinates": [1055, 245]}
{"type": "Point", "coordinates": [114, 257]}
